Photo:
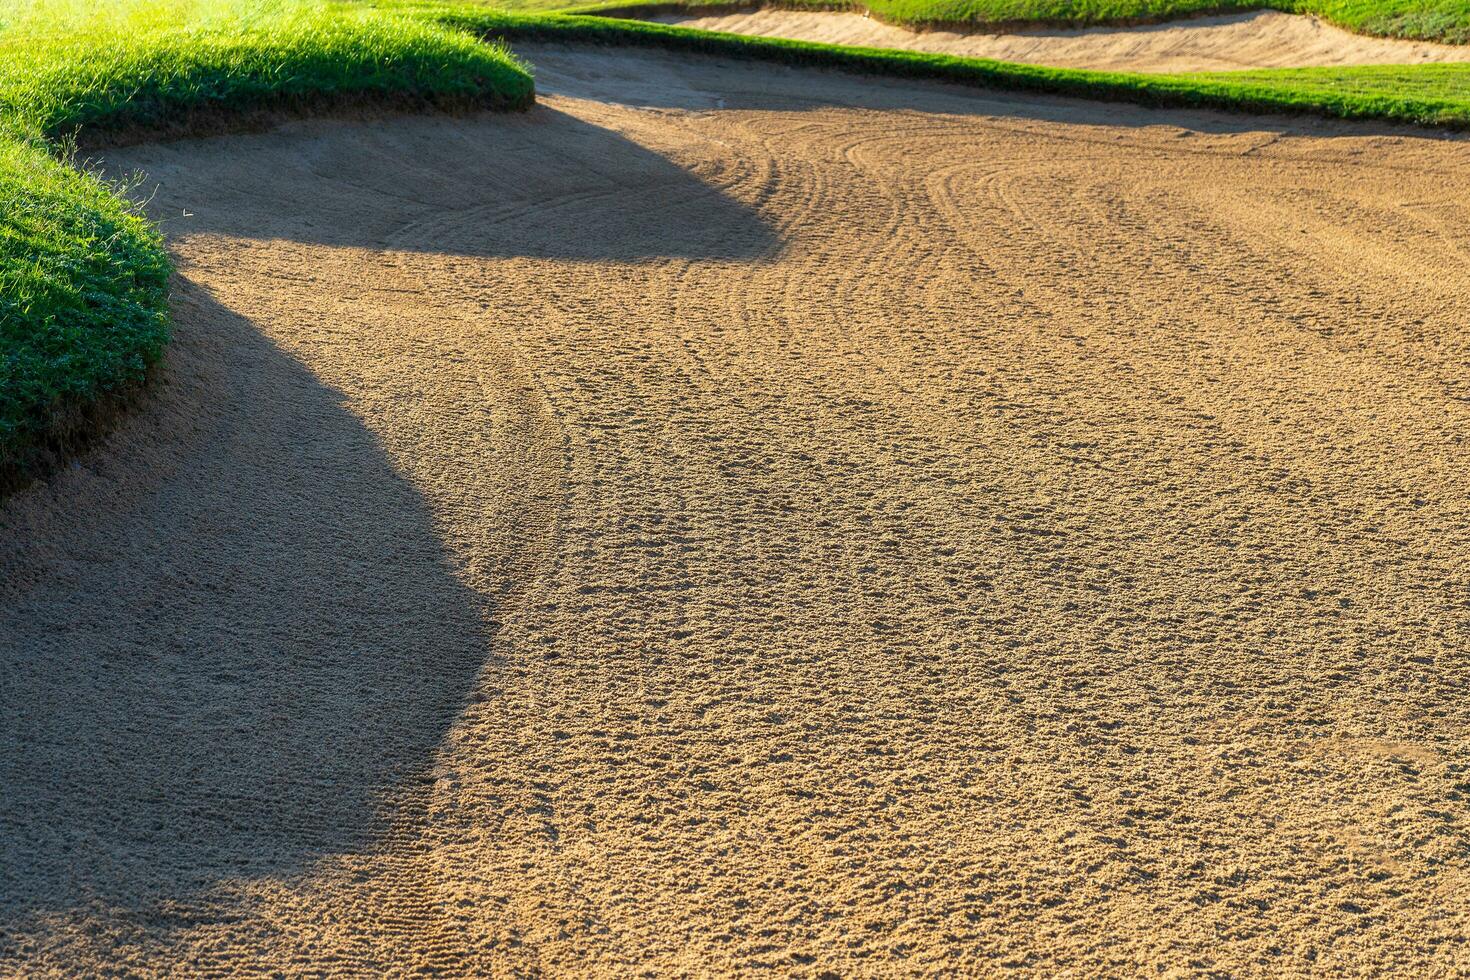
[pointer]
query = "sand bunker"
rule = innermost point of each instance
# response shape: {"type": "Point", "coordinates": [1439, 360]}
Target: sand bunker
{"type": "Point", "coordinates": [1265, 39]}
{"type": "Point", "coordinates": [733, 517]}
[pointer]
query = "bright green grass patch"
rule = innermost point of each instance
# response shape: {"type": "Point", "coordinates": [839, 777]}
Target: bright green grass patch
{"type": "Point", "coordinates": [83, 278]}
{"type": "Point", "coordinates": [117, 75]}
{"type": "Point", "coordinates": [1445, 21]}
{"type": "Point", "coordinates": [83, 290]}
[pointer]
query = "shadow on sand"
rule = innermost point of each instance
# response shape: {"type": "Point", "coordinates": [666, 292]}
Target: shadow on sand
{"type": "Point", "coordinates": [223, 639]}
{"type": "Point", "coordinates": [665, 79]}
{"type": "Point", "coordinates": [466, 186]}
{"type": "Point", "coordinates": [230, 636]}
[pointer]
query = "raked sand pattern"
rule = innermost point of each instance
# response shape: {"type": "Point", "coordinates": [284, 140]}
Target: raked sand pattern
{"type": "Point", "coordinates": [734, 518]}
{"type": "Point", "coordinates": [1262, 39]}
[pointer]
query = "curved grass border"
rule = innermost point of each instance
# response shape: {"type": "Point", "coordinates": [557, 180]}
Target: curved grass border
{"type": "Point", "coordinates": [83, 276]}
{"type": "Point", "coordinates": [1423, 95]}
{"type": "Point", "coordinates": [918, 21]}
{"type": "Point", "coordinates": [1436, 21]}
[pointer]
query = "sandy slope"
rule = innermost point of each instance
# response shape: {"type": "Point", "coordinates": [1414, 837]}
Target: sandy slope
{"type": "Point", "coordinates": [1265, 39]}
{"type": "Point", "coordinates": [736, 517]}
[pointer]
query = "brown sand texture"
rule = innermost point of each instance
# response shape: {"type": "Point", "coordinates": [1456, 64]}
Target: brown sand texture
{"type": "Point", "coordinates": [1262, 39]}
{"type": "Point", "coordinates": [741, 520]}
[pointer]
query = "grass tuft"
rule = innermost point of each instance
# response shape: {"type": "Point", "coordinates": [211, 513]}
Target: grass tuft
{"type": "Point", "coordinates": [83, 277]}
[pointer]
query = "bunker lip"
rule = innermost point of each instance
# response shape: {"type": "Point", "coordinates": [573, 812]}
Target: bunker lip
{"type": "Point", "coordinates": [1260, 39]}
{"type": "Point", "coordinates": [271, 111]}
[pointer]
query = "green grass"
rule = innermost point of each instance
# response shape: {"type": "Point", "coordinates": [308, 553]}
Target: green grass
{"type": "Point", "coordinates": [1446, 21]}
{"type": "Point", "coordinates": [83, 290]}
{"type": "Point", "coordinates": [83, 278]}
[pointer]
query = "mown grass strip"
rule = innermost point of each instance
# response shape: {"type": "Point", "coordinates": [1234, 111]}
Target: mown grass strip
{"type": "Point", "coordinates": [1429, 95]}
{"type": "Point", "coordinates": [83, 277]}
{"type": "Point", "coordinates": [1443, 21]}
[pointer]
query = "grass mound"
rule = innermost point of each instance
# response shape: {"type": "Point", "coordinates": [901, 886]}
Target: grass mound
{"type": "Point", "coordinates": [83, 278]}
{"type": "Point", "coordinates": [83, 290]}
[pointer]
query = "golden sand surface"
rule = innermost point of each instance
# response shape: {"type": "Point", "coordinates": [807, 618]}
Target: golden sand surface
{"type": "Point", "coordinates": [738, 518]}
{"type": "Point", "coordinates": [1259, 39]}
